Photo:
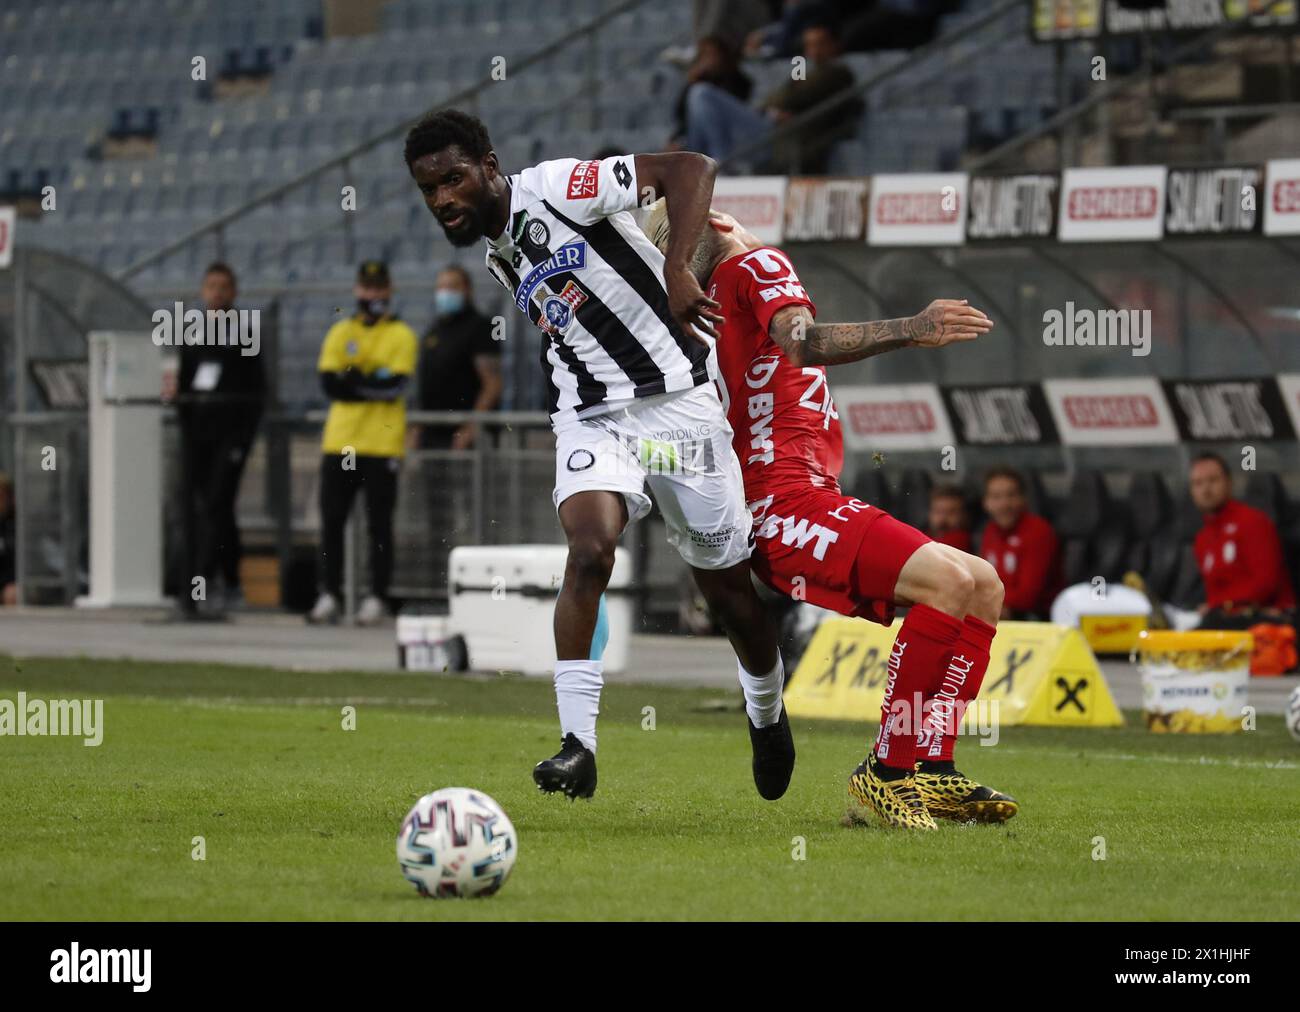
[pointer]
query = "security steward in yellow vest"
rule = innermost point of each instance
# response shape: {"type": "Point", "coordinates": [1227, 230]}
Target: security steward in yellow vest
{"type": "Point", "coordinates": [365, 365]}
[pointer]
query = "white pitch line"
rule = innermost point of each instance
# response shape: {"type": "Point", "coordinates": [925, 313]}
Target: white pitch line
{"type": "Point", "coordinates": [226, 702]}
{"type": "Point", "coordinates": [1204, 760]}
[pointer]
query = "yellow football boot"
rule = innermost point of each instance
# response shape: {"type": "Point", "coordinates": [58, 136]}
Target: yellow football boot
{"type": "Point", "coordinates": [896, 802]}
{"type": "Point", "coordinates": [953, 795]}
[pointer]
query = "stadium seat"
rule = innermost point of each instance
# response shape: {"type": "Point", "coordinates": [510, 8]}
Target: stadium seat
{"type": "Point", "coordinates": [1036, 496]}
{"type": "Point", "coordinates": [1098, 524]}
{"type": "Point", "coordinates": [1187, 590]}
{"type": "Point", "coordinates": [1150, 510]}
{"type": "Point", "coordinates": [1264, 491]}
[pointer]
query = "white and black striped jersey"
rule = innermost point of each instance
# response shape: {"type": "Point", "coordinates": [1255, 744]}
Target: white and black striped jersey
{"type": "Point", "coordinates": [576, 262]}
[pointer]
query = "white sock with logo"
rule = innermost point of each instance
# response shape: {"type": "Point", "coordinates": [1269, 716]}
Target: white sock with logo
{"type": "Point", "coordinates": [577, 696]}
{"type": "Point", "coordinates": [763, 693]}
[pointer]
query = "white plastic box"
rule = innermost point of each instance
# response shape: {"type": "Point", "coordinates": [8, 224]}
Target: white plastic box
{"type": "Point", "coordinates": [503, 603]}
{"type": "Point", "coordinates": [424, 644]}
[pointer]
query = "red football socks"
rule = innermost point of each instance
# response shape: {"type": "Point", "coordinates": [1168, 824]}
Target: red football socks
{"type": "Point", "coordinates": [920, 654]}
{"type": "Point", "coordinates": [958, 684]}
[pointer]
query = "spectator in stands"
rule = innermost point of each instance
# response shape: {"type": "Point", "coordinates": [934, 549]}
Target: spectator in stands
{"type": "Point", "coordinates": [220, 392]}
{"type": "Point", "coordinates": [1021, 546]}
{"type": "Point", "coordinates": [948, 523]}
{"type": "Point", "coordinates": [365, 364]}
{"type": "Point", "coordinates": [717, 122]}
{"type": "Point", "coordinates": [8, 546]}
{"type": "Point", "coordinates": [1237, 548]}
{"type": "Point", "coordinates": [716, 63]}
{"type": "Point", "coordinates": [460, 363]}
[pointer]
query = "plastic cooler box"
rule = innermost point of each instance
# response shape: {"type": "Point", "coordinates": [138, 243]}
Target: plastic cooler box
{"type": "Point", "coordinates": [503, 603]}
{"type": "Point", "coordinates": [1195, 682]}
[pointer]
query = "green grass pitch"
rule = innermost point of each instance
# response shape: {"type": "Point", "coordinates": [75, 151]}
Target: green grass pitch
{"type": "Point", "coordinates": [299, 816]}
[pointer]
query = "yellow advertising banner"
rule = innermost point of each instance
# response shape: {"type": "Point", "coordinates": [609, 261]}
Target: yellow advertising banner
{"type": "Point", "coordinates": [1039, 673]}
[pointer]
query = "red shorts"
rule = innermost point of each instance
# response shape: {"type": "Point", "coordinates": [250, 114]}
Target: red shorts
{"type": "Point", "coordinates": [831, 550]}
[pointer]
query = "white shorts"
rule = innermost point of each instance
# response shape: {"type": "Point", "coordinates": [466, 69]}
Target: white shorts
{"type": "Point", "coordinates": [680, 445]}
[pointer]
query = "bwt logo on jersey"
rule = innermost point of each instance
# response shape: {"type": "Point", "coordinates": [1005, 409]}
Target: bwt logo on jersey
{"type": "Point", "coordinates": [761, 408]}
{"type": "Point", "coordinates": [788, 289]}
{"type": "Point", "coordinates": [569, 257]}
{"type": "Point", "coordinates": [798, 532]}
{"type": "Point", "coordinates": [584, 180]}
{"type": "Point", "coordinates": [558, 310]}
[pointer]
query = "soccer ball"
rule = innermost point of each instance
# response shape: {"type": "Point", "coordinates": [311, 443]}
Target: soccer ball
{"type": "Point", "coordinates": [457, 842]}
{"type": "Point", "coordinates": [1292, 715]}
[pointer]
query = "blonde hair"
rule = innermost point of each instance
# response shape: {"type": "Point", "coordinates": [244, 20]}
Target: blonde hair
{"type": "Point", "coordinates": [708, 246]}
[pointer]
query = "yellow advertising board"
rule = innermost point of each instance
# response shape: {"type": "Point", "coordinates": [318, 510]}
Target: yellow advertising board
{"type": "Point", "coordinates": [1039, 673]}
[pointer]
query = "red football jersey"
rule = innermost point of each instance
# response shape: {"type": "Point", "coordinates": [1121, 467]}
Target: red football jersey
{"type": "Point", "coordinates": [787, 431]}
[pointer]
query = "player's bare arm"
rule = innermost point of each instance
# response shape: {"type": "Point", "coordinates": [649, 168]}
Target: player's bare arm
{"type": "Point", "coordinates": [806, 342]}
{"type": "Point", "coordinates": [685, 179]}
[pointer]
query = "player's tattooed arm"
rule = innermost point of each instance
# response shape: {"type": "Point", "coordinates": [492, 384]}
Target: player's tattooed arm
{"type": "Point", "coordinates": [806, 342]}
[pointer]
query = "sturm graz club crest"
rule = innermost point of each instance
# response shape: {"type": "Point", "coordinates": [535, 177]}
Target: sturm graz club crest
{"type": "Point", "coordinates": [558, 310]}
{"type": "Point", "coordinates": [538, 233]}
{"type": "Point", "coordinates": [558, 313]}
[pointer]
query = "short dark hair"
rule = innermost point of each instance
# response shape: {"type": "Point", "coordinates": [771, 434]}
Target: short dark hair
{"type": "Point", "coordinates": [221, 267]}
{"type": "Point", "coordinates": [458, 269]}
{"type": "Point", "coordinates": [443, 129]}
{"type": "Point", "coordinates": [1006, 472]}
{"type": "Point", "coordinates": [946, 491]}
{"type": "Point", "coordinates": [1207, 455]}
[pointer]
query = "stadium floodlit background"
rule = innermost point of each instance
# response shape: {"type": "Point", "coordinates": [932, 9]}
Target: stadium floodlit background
{"type": "Point", "coordinates": [156, 169]}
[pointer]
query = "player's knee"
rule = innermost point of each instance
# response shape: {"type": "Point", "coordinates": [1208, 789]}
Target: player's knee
{"type": "Point", "coordinates": [963, 586]}
{"type": "Point", "coordinates": [952, 587]}
{"type": "Point", "coordinates": [591, 560]}
{"type": "Point", "coordinates": [989, 592]}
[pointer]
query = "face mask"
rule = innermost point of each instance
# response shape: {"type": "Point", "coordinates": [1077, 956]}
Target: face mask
{"type": "Point", "coordinates": [373, 307]}
{"type": "Point", "coordinates": [448, 301]}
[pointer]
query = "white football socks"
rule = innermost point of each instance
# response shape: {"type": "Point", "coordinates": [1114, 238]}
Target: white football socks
{"type": "Point", "coordinates": [763, 693]}
{"type": "Point", "coordinates": [577, 696]}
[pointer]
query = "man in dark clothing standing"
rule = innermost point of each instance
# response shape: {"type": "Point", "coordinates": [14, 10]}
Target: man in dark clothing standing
{"type": "Point", "coordinates": [460, 363]}
{"type": "Point", "coordinates": [220, 389]}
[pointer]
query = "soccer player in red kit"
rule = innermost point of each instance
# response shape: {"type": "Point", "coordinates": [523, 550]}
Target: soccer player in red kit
{"type": "Point", "coordinates": [817, 544]}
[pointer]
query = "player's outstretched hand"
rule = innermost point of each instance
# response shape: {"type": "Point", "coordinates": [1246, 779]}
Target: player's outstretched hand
{"type": "Point", "coordinates": [690, 306]}
{"type": "Point", "coordinates": [946, 321]}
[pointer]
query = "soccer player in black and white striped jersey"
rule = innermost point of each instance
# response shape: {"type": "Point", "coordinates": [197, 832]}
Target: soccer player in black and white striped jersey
{"type": "Point", "coordinates": [627, 350]}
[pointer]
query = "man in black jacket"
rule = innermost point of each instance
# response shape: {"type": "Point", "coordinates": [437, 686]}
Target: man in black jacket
{"type": "Point", "coordinates": [221, 391]}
